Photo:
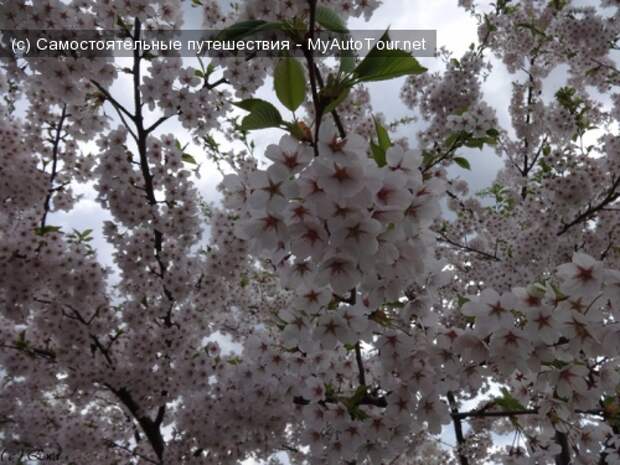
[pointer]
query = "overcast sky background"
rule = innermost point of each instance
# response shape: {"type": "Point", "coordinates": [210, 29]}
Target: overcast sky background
{"type": "Point", "coordinates": [456, 30]}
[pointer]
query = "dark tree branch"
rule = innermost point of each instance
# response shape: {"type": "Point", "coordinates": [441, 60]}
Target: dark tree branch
{"type": "Point", "coordinates": [458, 429]}
{"type": "Point", "coordinates": [33, 351]}
{"type": "Point", "coordinates": [443, 156]}
{"type": "Point", "coordinates": [54, 172]}
{"type": "Point", "coordinates": [102, 349]}
{"type": "Point", "coordinates": [213, 85]}
{"type": "Point", "coordinates": [318, 110]}
{"type": "Point", "coordinates": [563, 458]}
{"type": "Point", "coordinates": [360, 364]}
{"type": "Point", "coordinates": [341, 131]}
{"type": "Point", "coordinates": [145, 169]}
{"type": "Point", "coordinates": [149, 427]}
{"type": "Point", "coordinates": [482, 413]}
{"type": "Point", "coordinates": [115, 103]}
{"type": "Point", "coordinates": [157, 123]}
{"type": "Point", "coordinates": [612, 195]}
{"type": "Point", "coordinates": [132, 452]}
{"type": "Point", "coordinates": [483, 254]}
{"type": "Point", "coordinates": [538, 153]}
{"type": "Point", "coordinates": [528, 122]}
{"type": "Point", "coordinates": [368, 399]}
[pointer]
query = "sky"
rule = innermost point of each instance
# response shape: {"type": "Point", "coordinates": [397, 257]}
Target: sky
{"type": "Point", "coordinates": [456, 29]}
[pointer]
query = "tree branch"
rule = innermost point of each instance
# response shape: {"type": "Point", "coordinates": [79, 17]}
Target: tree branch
{"type": "Point", "coordinates": [611, 196]}
{"type": "Point", "coordinates": [318, 111]}
{"type": "Point", "coordinates": [113, 101]}
{"type": "Point", "coordinates": [360, 364]}
{"type": "Point", "coordinates": [486, 255]}
{"type": "Point", "coordinates": [55, 147]}
{"type": "Point", "coordinates": [150, 427]}
{"type": "Point", "coordinates": [563, 458]}
{"type": "Point", "coordinates": [458, 429]}
{"type": "Point", "coordinates": [132, 452]}
{"type": "Point", "coordinates": [481, 413]}
{"type": "Point", "coordinates": [147, 176]}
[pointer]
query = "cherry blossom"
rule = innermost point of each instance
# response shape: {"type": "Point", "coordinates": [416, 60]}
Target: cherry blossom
{"type": "Point", "coordinates": [350, 296]}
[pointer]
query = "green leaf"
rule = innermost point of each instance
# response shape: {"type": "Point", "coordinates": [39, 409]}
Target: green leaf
{"type": "Point", "coordinates": [334, 102]}
{"type": "Point", "coordinates": [378, 316]}
{"type": "Point", "coordinates": [378, 154]}
{"type": "Point", "coordinates": [352, 403]}
{"type": "Point", "coordinates": [382, 136]}
{"type": "Point", "coordinates": [359, 394]}
{"type": "Point", "coordinates": [546, 168]}
{"type": "Point", "coordinates": [121, 23]}
{"type": "Point", "coordinates": [462, 162]}
{"type": "Point", "coordinates": [290, 83]}
{"type": "Point", "coordinates": [330, 20]}
{"type": "Point", "coordinates": [532, 28]}
{"type": "Point", "coordinates": [383, 143]}
{"type": "Point", "coordinates": [558, 4]}
{"type": "Point", "coordinates": [453, 138]}
{"type": "Point", "coordinates": [210, 69]}
{"type": "Point", "coordinates": [47, 229]}
{"type": "Point", "coordinates": [396, 303]}
{"type": "Point", "coordinates": [347, 62]}
{"type": "Point", "coordinates": [379, 65]}
{"type": "Point", "coordinates": [427, 158]}
{"type": "Point", "coordinates": [475, 142]}
{"type": "Point", "coordinates": [357, 413]}
{"type": "Point", "coordinates": [21, 342]}
{"type": "Point", "coordinates": [566, 96]}
{"type": "Point", "coordinates": [508, 402]}
{"type": "Point", "coordinates": [262, 114]}
{"type": "Point", "coordinates": [490, 140]}
{"type": "Point", "coordinates": [187, 158]}
{"type": "Point", "coordinates": [299, 130]}
{"type": "Point", "coordinates": [611, 409]}
{"type": "Point", "coordinates": [492, 137]}
{"type": "Point", "coordinates": [461, 110]}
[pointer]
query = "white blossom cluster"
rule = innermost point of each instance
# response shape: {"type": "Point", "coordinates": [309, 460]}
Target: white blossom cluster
{"type": "Point", "coordinates": [328, 309]}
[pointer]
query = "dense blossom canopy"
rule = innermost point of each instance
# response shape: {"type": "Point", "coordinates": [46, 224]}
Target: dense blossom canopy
{"type": "Point", "coordinates": [380, 312]}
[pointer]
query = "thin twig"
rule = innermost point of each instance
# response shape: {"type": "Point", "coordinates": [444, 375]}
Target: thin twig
{"type": "Point", "coordinates": [612, 195]}
{"type": "Point", "coordinates": [54, 172]}
{"type": "Point", "coordinates": [458, 429]}
{"type": "Point", "coordinates": [443, 238]}
{"type": "Point", "coordinates": [360, 364]}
